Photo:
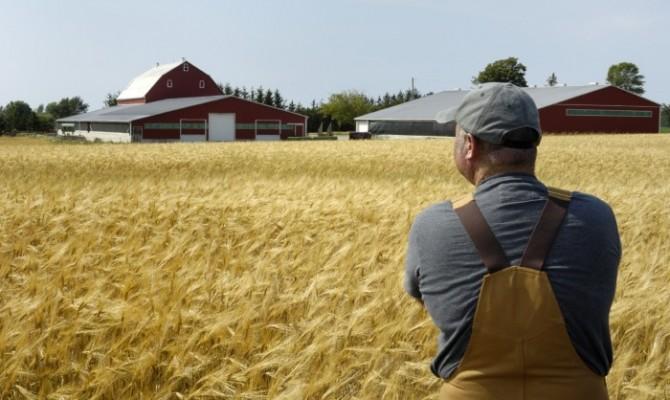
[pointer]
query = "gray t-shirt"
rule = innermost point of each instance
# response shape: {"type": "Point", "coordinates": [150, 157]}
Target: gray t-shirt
{"type": "Point", "coordinates": [444, 270]}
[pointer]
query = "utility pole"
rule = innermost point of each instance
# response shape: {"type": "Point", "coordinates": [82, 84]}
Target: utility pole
{"type": "Point", "coordinates": [412, 85]}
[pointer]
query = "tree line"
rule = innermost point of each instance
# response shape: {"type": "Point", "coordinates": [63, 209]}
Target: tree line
{"type": "Point", "coordinates": [625, 75]}
{"type": "Point", "coordinates": [17, 116]}
{"type": "Point", "coordinates": [337, 113]}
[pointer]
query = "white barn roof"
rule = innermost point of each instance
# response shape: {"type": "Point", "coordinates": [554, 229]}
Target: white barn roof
{"type": "Point", "coordinates": [427, 108]}
{"type": "Point", "coordinates": [139, 86]}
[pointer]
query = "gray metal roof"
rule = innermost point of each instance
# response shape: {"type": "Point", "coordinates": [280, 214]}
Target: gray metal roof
{"type": "Point", "coordinates": [426, 108]}
{"type": "Point", "coordinates": [422, 109]}
{"type": "Point", "coordinates": [131, 112]}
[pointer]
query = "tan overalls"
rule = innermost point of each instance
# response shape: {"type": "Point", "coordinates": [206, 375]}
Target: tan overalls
{"type": "Point", "coordinates": [519, 348]}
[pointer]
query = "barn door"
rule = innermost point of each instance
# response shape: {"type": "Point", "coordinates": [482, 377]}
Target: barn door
{"type": "Point", "coordinates": [221, 127]}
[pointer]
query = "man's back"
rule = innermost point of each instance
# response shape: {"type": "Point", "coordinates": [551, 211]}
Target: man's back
{"type": "Point", "coordinates": [446, 272]}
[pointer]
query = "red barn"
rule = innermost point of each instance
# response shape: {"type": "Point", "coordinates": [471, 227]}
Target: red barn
{"type": "Point", "coordinates": [180, 102]}
{"type": "Point", "coordinates": [589, 108]}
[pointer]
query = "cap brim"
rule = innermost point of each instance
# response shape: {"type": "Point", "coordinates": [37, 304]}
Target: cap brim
{"type": "Point", "coordinates": [446, 116]}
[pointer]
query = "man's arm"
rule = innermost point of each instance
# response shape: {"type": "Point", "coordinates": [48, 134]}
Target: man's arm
{"type": "Point", "coordinates": [412, 265]}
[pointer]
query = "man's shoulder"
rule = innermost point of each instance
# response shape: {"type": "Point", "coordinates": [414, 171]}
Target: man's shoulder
{"type": "Point", "coordinates": [437, 212]}
{"type": "Point", "coordinates": [592, 218]}
{"type": "Point", "coordinates": [439, 217]}
{"type": "Point", "coordinates": [590, 206]}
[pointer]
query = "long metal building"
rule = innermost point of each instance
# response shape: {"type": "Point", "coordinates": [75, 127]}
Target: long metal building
{"type": "Point", "coordinates": [590, 108]}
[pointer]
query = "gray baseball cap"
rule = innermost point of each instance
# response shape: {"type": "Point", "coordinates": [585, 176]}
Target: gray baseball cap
{"type": "Point", "coordinates": [499, 113]}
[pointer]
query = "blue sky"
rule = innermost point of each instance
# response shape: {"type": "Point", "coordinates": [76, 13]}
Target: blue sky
{"type": "Point", "coordinates": [311, 49]}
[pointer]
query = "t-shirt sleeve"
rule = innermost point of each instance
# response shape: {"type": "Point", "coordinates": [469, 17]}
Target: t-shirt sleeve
{"type": "Point", "coordinates": [412, 264]}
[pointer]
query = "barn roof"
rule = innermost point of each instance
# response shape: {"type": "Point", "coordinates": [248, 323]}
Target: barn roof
{"type": "Point", "coordinates": [139, 86]}
{"type": "Point", "coordinates": [422, 109]}
{"type": "Point", "coordinates": [426, 108]}
{"type": "Point", "coordinates": [131, 112]}
{"type": "Point", "coordinates": [125, 113]}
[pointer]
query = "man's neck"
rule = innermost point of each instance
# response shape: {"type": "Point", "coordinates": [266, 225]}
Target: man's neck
{"type": "Point", "coordinates": [482, 174]}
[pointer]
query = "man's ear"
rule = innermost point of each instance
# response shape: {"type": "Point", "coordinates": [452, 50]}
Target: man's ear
{"type": "Point", "coordinates": [471, 146]}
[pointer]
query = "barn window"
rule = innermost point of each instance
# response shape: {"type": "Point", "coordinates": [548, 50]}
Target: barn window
{"type": "Point", "coordinates": [185, 67]}
{"type": "Point", "coordinates": [169, 83]}
{"type": "Point", "coordinates": [201, 84]}
{"type": "Point", "coordinates": [583, 112]}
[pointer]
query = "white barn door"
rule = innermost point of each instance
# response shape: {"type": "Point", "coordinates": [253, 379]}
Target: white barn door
{"type": "Point", "coordinates": [221, 127]}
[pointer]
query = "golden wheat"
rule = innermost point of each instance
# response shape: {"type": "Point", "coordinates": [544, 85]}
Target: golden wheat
{"type": "Point", "coordinates": [273, 270]}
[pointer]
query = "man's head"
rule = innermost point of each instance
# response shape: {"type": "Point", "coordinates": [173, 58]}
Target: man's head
{"type": "Point", "coordinates": [497, 131]}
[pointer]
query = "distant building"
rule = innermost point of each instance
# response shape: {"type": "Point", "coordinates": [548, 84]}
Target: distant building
{"type": "Point", "coordinates": [179, 102]}
{"type": "Point", "coordinates": [591, 108]}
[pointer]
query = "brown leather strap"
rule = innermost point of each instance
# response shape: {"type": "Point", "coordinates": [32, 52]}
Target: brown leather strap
{"type": "Point", "coordinates": [545, 232]}
{"type": "Point", "coordinates": [478, 229]}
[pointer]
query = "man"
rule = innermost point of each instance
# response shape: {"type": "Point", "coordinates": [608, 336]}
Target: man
{"type": "Point", "coordinates": [519, 278]}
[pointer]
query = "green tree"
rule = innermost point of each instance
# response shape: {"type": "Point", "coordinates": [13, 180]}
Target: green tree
{"type": "Point", "coordinates": [227, 89]}
{"type": "Point", "coordinates": [66, 107]}
{"type": "Point", "coordinates": [314, 115]}
{"type": "Point", "coordinates": [387, 101]}
{"type": "Point", "coordinates": [267, 97]}
{"type": "Point", "coordinates": [552, 80]}
{"type": "Point", "coordinates": [18, 117]}
{"type": "Point", "coordinates": [626, 75]}
{"type": "Point", "coordinates": [44, 122]}
{"type": "Point", "coordinates": [277, 99]}
{"type": "Point", "coordinates": [505, 70]}
{"type": "Point", "coordinates": [345, 106]}
{"type": "Point", "coordinates": [237, 92]}
{"type": "Point", "coordinates": [260, 94]}
{"type": "Point", "coordinates": [2, 121]}
{"type": "Point", "coordinates": [111, 99]}
{"type": "Point", "coordinates": [665, 115]}
{"type": "Point", "coordinates": [400, 97]}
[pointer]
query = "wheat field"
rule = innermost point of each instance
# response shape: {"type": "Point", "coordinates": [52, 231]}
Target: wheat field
{"type": "Point", "coordinates": [274, 270]}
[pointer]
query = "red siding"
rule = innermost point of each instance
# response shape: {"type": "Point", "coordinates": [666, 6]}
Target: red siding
{"type": "Point", "coordinates": [554, 119]}
{"type": "Point", "coordinates": [184, 84]}
{"type": "Point", "coordinates": [246, 112]}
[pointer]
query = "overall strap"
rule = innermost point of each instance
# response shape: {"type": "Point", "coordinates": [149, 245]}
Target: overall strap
{"type": "Point", "coordinates": [480, 233]}
{"type": "Point", "coordinates": [547, 227]}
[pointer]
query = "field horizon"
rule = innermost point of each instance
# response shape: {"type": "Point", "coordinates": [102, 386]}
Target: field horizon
{"type": "Point", "coordinates": [274, 270]}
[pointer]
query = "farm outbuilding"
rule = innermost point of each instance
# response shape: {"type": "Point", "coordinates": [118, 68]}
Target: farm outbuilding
{"type": "Point", "coordinates": [590, 108]}
{"type": "Point", "coordinates": [179, 102]}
